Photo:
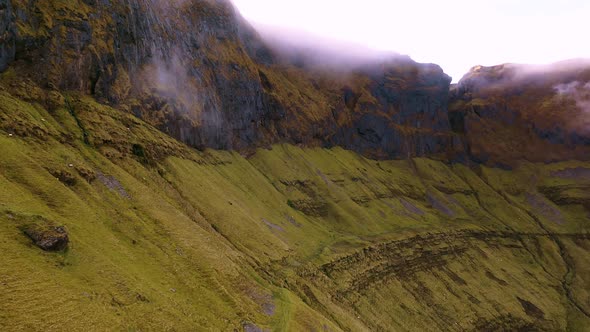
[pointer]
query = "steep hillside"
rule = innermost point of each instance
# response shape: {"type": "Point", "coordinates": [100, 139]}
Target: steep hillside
{"type": "Point", "coordinates": [163, 237]}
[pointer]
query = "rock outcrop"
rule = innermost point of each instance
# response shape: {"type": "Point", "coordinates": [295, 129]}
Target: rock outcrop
{"type": "Point", "coordinates": [47, 237]}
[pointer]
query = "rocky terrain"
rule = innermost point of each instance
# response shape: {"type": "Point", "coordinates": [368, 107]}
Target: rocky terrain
{"type": "Point", "coordinates": [163, 168]}
{"type": "Point", "coordinates": [511, 112]}
{"type": "Point", "coordinates": [197, 71]}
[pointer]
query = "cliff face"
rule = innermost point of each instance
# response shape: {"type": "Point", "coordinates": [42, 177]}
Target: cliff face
{"type": "Point", "coordinates": [512, 112]}
{"type": "Point", "coordinates": [6, 34]}
{"type": "Point", "coordinates": [197, 71]}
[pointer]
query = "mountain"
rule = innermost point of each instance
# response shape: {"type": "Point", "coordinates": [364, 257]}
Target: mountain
{"type": "Point", "coordinates": [163, 167]}
{"type": "Point", "coordinates": [513, 112]}
{"type": "Point", "coordinates": [197, 71]}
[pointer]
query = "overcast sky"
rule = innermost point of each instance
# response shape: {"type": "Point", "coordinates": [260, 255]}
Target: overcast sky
{"type": "Point", "coordinates": [456, 34]}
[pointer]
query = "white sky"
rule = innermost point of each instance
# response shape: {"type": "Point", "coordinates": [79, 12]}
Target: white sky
{"type": "Point", "coordinates": [456, 34]}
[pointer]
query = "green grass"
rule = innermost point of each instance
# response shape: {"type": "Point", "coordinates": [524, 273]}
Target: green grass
{"type": "Point", "coordinates": [184, 240]}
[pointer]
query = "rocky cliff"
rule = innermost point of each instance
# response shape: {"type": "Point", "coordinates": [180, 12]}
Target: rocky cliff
{"type": "Point", "coordinates": [196, 70]}
{"type": "Point", "coordinates": [7, 34]}
{"type": "Point", "coordinates": [511, 112]}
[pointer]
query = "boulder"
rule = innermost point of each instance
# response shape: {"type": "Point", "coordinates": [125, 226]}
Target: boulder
{"type": "Point", "coordinates": [48, 237]}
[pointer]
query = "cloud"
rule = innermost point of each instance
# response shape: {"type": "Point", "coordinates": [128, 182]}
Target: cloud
{"type": "Point", "coordinates": [455, 34]}
{"type": "Point", "coordinates": [310, 50]}
{"type": "Point", "coordinates": [171, 79]}
{"type": "Point", "coordinates": [514, 75]}
{"type": "Point", "coordinates": [577, 91]}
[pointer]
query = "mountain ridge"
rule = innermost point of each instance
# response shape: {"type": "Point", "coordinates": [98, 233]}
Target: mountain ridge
{"type": "Point", "coordinates": [223, 87]}
{"type": "Point", "coordinates": [199, 72]}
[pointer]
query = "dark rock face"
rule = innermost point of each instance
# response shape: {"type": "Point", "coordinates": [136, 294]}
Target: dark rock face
{"type": "Point", "coordinates": [408, 115]}
{"type": "Point", "coordinates": [175, 61]}
{"type": "Point", "coordinates": [7, 34]}
{"type": "Point", "coordinates": [49, 238]}
{"type": "Point", "coordinates": [196, 70]}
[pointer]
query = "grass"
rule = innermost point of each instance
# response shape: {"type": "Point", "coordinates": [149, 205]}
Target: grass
{"type": "Point", "coordinates": [168, 238]}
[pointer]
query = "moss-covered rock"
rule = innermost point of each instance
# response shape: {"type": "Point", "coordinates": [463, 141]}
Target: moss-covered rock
{"type": "Point", "coordinates": [47, 237]}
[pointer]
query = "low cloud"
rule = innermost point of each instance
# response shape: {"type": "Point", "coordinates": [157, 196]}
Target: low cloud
{"type": "Point", "coordinates": [306, 49]}
{"type": "Point", "coordinates": [513, 75]}
{"type": "Point", "coordinates": [577, 91]}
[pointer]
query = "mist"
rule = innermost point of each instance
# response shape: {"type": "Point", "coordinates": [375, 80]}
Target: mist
{"type": "Point", "coordinates": [316, 52]}
{"type": "Point", "coordinates": [514, 75]}
{"type": "Point", "coordinates": [579, 92]}
{"type": "Point", "coordinates": [455, 34]}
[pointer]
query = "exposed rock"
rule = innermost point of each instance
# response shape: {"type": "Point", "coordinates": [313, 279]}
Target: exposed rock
{"type": "Point", "coordinates": [64, 177]}
{"type": "Point", "coordinates": [292, 220]}
{"type": "Point", "coordinates": [55, 100]}
{"type": "Point", "coordinates": [7, 34]}
{"type": "Point", "coordinates": [47, 237]}
{"type": "Point", "coordinates": [113, 184]}
{"type": "Point", "coordinates": [531, 309]}
{"type": "Point", "coordinates": [272, 227]}
{"type": "Point", "coordinates": [512, 112]}
{"type": "Point", "coordinates": [411, 207]}
{"type": "Point", "coordinates": [545, 209]}
{"type": "Point", "coordinates": [87, 173]}
{"type": "Point", "coordinates": [578, 173]}
{"type": "Point", "coordinates": [197, 71]}
{"type": "Point", "coordinates": [439, 205]}
{"type": "Point", "coordinates": [249, 327]}
{"type": "Point", "coordinates": [310, 207]}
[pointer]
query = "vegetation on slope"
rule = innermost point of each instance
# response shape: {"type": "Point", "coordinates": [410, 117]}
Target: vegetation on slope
{"type": "Point", "coordinates": [163, 237]}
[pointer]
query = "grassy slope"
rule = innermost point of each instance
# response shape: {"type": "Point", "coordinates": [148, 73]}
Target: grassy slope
{"type": "Point", "coordinates": [289, 239]}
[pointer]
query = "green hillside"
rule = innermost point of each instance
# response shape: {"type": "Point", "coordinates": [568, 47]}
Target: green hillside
{"type": "Point", "coordinates": [166, 238]}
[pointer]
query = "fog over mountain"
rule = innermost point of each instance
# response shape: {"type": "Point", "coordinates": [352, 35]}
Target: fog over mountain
{"type": "Point", "coordinates": [456, 34]}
